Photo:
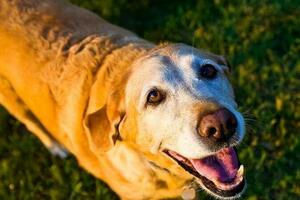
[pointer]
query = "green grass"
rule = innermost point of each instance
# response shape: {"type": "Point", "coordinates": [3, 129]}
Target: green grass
{"type": "Point", "coordinates": [261, 39]}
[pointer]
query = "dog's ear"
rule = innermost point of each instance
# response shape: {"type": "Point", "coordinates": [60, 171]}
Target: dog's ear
{"type": "Point", "coordinates": [103, 116]}
{"type": "Point", "coordinates": [103, 124]}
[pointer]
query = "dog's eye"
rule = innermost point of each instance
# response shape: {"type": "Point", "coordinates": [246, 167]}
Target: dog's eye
{"type": "Point", "coordinates": [208, 71]}
{"type": "Point", "coordinates": [155, 97]}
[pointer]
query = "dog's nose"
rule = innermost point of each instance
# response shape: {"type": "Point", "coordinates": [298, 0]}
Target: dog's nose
{"type": "Point", "coordinates": [219, 125]}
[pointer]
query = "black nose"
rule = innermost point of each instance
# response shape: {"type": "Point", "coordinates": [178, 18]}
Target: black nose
{"type": "Point", "coordinates": [219, 125]}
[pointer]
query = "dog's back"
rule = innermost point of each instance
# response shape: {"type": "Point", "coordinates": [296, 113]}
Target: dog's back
{"type": "Point", "coordinates": [51, 54]}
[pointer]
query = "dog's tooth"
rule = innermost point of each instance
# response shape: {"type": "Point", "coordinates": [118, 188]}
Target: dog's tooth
{"type": "Point", "coordinates": [188, 193]}
{"type": "Point", "coordinates": [240, 171]}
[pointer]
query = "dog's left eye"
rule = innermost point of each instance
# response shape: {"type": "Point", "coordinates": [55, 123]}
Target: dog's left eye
{"type": "Point", "coordinates": [208, 71]}
{"type": "Point", "coordinates": [155, 97]}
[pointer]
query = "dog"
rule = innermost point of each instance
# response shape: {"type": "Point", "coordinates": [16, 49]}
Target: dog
{"type": "Point", "coordinates": [152, 121]}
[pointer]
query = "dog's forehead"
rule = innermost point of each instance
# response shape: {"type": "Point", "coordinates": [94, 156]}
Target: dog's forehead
{"type": "Point", "coordinates": [185, 53]}
{"type": "Point", "coordinates": [172, 57]}
{"type": "Point", "coordinates": [174, 62]}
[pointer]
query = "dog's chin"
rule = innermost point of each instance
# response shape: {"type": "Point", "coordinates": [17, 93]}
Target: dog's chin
{"type": "Point", "coordinates": [220, 174]}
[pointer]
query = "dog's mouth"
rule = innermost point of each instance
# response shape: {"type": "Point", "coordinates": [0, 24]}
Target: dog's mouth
{"type": "Point", "coordinates": [220, 174]}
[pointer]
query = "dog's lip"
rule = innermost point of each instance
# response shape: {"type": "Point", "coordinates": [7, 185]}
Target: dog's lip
{"type": "Point", "coordinates": [230, 189]}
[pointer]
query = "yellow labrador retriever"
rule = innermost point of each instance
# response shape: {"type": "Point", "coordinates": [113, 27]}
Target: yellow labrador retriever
{"type": "Point", "coordinates": [151, 121]}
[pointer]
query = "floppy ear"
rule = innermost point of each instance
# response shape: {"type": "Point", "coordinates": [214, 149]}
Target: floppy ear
{"type": "Point", "coordinates": [102, 125]}
{"type": "Point", "coordinates": [103, 116]}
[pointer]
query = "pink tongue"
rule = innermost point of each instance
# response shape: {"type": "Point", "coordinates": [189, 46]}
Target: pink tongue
{"type": "Point", "coordinates": [222, 166]}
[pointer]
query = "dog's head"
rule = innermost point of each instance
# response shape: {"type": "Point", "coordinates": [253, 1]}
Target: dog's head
{"type": "Point", "coordinates": [178, 102]}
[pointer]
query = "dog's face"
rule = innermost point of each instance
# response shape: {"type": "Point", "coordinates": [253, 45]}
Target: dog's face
{"type": "Point", "coordinates": [184, 107]}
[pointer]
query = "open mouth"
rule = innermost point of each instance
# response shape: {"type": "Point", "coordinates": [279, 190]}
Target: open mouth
{"type": "Point", "coordinates": [220, 174]}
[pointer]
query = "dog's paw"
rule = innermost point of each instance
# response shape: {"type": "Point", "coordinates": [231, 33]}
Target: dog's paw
{"type": "Point", "coordinates": [58, 150]}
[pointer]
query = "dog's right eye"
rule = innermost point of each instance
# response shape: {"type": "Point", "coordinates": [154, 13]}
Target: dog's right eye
{"type": "Point", "coordinates": [208, 71]}
{"type": "Point", "coordinates": [155, 97]}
